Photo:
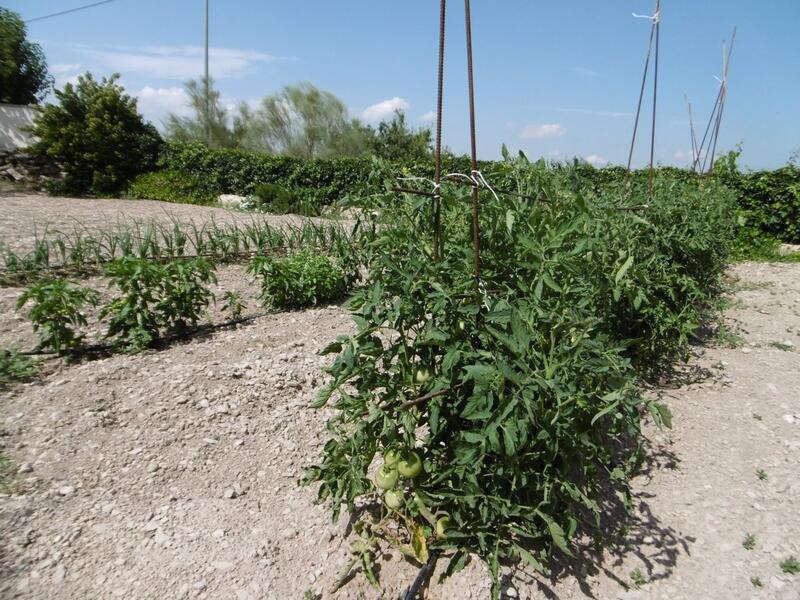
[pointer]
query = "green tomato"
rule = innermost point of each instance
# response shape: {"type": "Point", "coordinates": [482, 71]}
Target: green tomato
{"type": "Point", "coordinates": [410, 465]}
{"type": "Point", "coordinates": [391, 458]}
{"type": "Point", "coordinates": [423, 375]}
{"type": "Point", "coordinates": [386, 477]}
{"type": "Point", "coordinates": [394, 499]}
{"type": "Point", "coordinates": [442, 525]}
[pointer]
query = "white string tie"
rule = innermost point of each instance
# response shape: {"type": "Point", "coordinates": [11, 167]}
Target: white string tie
{"type": "Point", "coordinates": [656, 18]}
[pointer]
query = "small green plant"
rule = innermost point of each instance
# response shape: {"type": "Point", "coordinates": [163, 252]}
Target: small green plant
{"type": "Point", "coordinates": [761, 474]}
{"type": "Point", "coordinates": [749, 542]}
{"type": "Point", "coordinates": [6, 475]}
{"type": "Point", "coordinates": [638, 578]}
{"type": "Point", "coordinates": [233, 304]}
{"type": "Point", "coordinates": [790, 566]}
{"type": "Point", "coordinates": [302, 279]}
{"type": "Point", "coordinates": [279, 200]}
{"type": "Point", "coordinates": [15, 366]}
{"type": "Point", "coordinates": [784, 346]}
{"type": "Point", "coordinates": [756, 581]}
{"type": "Point", "coordinates": [155, 297]}
{"type": "Point", "coordinates": [311, 594]}
{"type": "Point", "coordinates": [56, 312]}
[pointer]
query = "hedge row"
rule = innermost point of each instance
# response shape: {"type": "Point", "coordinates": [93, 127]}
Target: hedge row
{"type": "Point", "coordinates": [769, 199]}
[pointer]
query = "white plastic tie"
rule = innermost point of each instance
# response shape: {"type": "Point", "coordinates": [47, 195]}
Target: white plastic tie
{"type": "Point", "coordinates": [655, 19]}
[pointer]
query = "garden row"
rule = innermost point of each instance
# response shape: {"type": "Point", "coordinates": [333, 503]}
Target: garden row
{"type": "Point", "coordinates": [770, 200]}
{"type": "Point", "coordinates": [503, 419]}
{"type": "Point", "coordinates": [83, 250]}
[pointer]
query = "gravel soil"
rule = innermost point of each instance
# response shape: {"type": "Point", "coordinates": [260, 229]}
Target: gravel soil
{"type": "Point", "coordinates": [173, 473]}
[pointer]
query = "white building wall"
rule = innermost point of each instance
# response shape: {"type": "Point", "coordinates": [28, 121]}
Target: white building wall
{"type": "Point", "coordinates": [13, 118]}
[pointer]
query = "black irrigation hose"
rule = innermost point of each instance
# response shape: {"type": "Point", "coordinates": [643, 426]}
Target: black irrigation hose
{"type": "Point", "coordinates": [160, 341]}
{"type": "Point", "coordinates": [421, 578]}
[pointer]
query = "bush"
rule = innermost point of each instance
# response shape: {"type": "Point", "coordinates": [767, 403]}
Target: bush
{"type": "Point", "coordinates": [302, 279]}
{"type": "Point", "coordinates": [275, 199]}
{"type": "Point", "coordinates": [97, 135]}
{"type": "Point", "coordinates": [519, 398]}
{"type": "Point", "coordinates": [168, 186]}
{"type": "Point", "coordinates": [155, 297]}
{"type": "Point", "coordinates": [56, 312]}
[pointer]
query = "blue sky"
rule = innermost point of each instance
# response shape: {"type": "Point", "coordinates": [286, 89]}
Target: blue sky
{"type": "Point", "coordinates": [555, 79]}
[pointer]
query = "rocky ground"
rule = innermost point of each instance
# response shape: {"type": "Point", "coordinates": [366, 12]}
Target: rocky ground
{"type": "Point", "coordinates": [173, 473]}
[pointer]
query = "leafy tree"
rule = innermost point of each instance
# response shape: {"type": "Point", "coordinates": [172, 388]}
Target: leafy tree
{"type": "Point", "coordinates": [302, 121]}
{"type": "Point", "coordinates": [193, 128]}
{"type": "Point", "coordinates": [23, 69]}
{"type": "Point", "coordinates": [395, 141]}
{"type": "Point", "coordinates": [97, 135]}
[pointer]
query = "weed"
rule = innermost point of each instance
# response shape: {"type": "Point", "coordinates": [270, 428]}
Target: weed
{"type": "Point", "coordinates": [761, 474]}
{"type": "Point", "coordinates": [233, 304]}
{"type": "Point", "coordinates": [785, 346]}
{"type": "Point", "coordinates": [9, 484]}
{"type": "Point", "coordinates": [790, 566]}
{"type": "Point", "coordinates": [749, 541]}
{"type": "Point", "coordinates": [15, 366]}
{"type": "Point", "coordinates": [638, 578]}
{"type": "Point", "coordinates": [756, 581]}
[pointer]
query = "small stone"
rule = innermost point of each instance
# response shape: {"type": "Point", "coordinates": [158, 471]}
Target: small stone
{"type": "Point", "coordinates": [153, 467]}
{"type": "Point", "coordinates": [66, 490]}
{"type": "Point", "coordinates": [218, 534]}
{"type": "Point", "coordinates": [222, 565]}
{"type": "Point", "coordinates": [59, 574]}
{"type": "Point", "coordinates": [223, 409]}
{"type": "Point", "coordinates": [230, 493]}
{"type": "Point", "coordinates": [160, 537]}
{"type": "Point", "coordinates": [790, 419]}
{"type": "Point", "coordinates": [746, 350]}
{"type": "Point", "coordinates": [25, 468]}
{"type": "Point", "coordinates": [511, 592]}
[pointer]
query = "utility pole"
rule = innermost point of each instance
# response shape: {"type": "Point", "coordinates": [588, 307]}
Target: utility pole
{"type": "Point", "coordinates": [208, 103]}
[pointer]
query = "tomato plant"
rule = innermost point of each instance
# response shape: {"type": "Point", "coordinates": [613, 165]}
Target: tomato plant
{"type": "Point", "coordinates": [528, 411]}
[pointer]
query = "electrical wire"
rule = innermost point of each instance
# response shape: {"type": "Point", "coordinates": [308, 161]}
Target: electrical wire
{"type": "Point", "coordinates": [68, 11]}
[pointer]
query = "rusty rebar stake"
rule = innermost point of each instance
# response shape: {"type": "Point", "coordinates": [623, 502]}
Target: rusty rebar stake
{"type": "Point", "coordinates": [476, 244]}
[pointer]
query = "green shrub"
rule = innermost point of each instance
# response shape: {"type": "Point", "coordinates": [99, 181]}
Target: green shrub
{"type": "Point", "coordinates": [519, 397]}
{"type": "Point", "coordinates": [275, 199]}
{"type": "Point", "coordinates": [56, 312]}
{"type": "Point", "coordinates": [302, 279]}
{"type": "Point", "coordinates": [96, 135]}
{"type": "Point", "coordinates": [15, 366]}
{"type": "Point", "coordinates": [168, 186]}
{"type": "Point", "coordinates": [155, 297]}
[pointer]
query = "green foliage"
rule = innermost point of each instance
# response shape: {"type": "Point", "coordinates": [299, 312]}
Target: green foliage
{"type": "Point", "coordinates": [749, 542]}
{"type": "Point", "coordinates": [97, 135]}
{"type": "Point", "coordinates": [15, 366]}
{"type": "Point", "coordinates": [56, 312]}
{"type": "Point", "coordinates": [790, 566]}
{"type": "Point", "coordinates": [519, 396]}
{"type": "Point", "coordinates": [233, 304]}
{"type": "Point", "coordinates": [302, 279]}
{"type": "Point", "coordinates": [209, 123]}
{"type": "Point", "coordinates": [275, 199]}
{"type": "Point", "coordinates": [23, 68]}
{"type": "Point", "coordinates": [215, 172]}
{"type": "Point", "coordinates": [395, 141]}
{"type": "Point", "coordinates": [302, 121]}
{"type": "Point", "coordinates": [155, 296]}
{"type": "Point", "coordinates": [169, 186]}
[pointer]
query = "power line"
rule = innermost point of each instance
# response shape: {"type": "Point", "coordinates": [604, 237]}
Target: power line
{"type": "Point", "coordinates": [66, 12]}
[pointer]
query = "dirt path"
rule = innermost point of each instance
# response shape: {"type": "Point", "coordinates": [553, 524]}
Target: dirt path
{"type": "Point", "coordinates": [173, 474]}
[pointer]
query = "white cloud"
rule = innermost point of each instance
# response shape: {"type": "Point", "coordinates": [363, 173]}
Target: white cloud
{"type": "Point", "coordinates": [428, 117]}
{"type": "Point", "coordinates": [156, 103]}
{"type": "Point", "coordinates": [538, 132]}
{"type": "Point", "coordinates": [64, 68]}
{"type": "Point", "coordinates": [595, 159]}
{"type": "Point", "coordinates": [177, 62]}
{"type": "Point", "coordinates": [384, 110]}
